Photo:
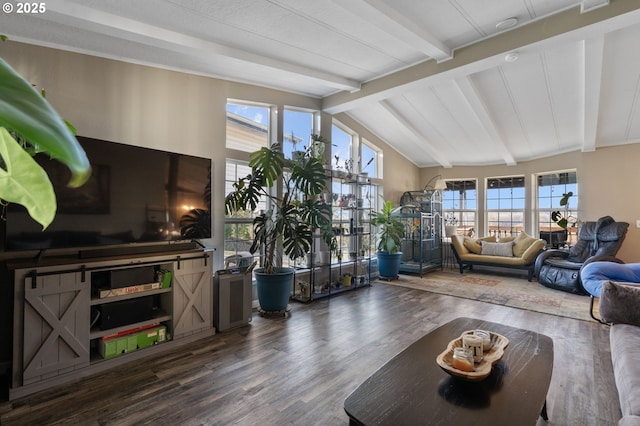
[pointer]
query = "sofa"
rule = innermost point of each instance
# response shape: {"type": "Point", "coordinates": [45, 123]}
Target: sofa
{"type": "Point", "coordinates": [517, 252]}
{"type": "Point", "coordinates": [619, 307]}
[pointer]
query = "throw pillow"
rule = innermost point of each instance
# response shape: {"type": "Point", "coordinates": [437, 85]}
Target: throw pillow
{"type": "Point", "coordinates": [497, 249]}
{"type": "Point", "coordinates": [619, 303]}
{"type": "Point", "coordinates": [490, 239]}
{"type": "Point", "coordinates": [472, 245]}
{"type": "Point", "coordinates": [475, 245]}
{"type": "Point", "coordinates": [521, 243]}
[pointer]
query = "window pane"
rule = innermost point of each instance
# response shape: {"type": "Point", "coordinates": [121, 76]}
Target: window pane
{"type": "Point", "coordinates": [238, 230]}
{"type": "Point", "coordinates": [369, 160]}
{"type": "Point", "coordinates": [297, 129]}
{"type": "Point", "coordinates": [459, 205]}
{"type": "Point", "coordinates": [550, 190]}
{"type": "Point", "coordinates": [247, 127]}
{"type": "Point", "coordinates": [340, 148]}
{"type": "Point", "coordinates": [505, 205]}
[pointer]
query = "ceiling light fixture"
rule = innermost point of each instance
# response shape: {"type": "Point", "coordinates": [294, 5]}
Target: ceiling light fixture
{"type": "Point", "coordinates": [511, 57]}
{"type": "Point", "coordinates": [506, 24]}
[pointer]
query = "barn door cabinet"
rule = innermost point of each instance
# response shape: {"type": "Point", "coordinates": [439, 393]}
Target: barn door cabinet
{"type": "Point", "coordinates": [63, 314]}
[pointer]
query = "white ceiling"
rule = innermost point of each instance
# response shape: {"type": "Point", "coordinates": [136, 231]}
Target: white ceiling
{"type": "Point", "coordinates": [428, 77]}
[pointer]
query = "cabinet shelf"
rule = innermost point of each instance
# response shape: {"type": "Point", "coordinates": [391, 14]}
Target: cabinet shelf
{"type": "Point", "coordinates": [110, 299]}
{"type": "Point", "coordinates": [97, 333]}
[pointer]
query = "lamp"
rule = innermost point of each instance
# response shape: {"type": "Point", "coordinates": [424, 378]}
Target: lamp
{"type": "Point", "coordinates": [439, 185]}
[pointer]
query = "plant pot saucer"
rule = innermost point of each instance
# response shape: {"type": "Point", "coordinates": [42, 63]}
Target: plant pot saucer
{"type": "Point", "coordinates": [272, 314]}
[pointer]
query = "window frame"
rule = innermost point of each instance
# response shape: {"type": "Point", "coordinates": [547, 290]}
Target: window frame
{"type": "Point", "coordinates": [503, 213]}
{"type": "Point", "coordinates": [570, 184]}
{"type": "Point", "coordinates": [464, 225]}
{"type": "Point", "coordinates": [376, 160]}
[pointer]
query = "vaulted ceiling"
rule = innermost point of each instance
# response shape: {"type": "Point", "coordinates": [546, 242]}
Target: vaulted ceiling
{"type": "Point", "coordinates": [444, 82]}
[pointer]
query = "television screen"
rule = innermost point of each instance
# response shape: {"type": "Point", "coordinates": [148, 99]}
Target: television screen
{"type": "Point", "coordinates": [134, 195]}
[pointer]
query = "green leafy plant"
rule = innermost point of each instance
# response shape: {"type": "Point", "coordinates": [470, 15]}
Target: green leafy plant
{"type": "Point", "coordinates": [390, 230]}
{"type": "Point", "coordinates": [564, 219]}
{"type": "Point", "coordinates": [27, 116]}
{"type": "Point", "coordinates": [318, 146]}
{"type": "Point", "coordinates": [291, 216]}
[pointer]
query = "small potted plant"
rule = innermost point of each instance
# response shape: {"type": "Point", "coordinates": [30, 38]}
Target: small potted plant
{"type": "Point", "coordinates": [390, 234]}
{"type": "Point", "coordinates": [348, 168]}
{"type": "Point", "coordinates": [450, 225]}
{"type": "Point", "coordinates": [338, 172]}
{"type": "Point", "coordinates": [317, 146]}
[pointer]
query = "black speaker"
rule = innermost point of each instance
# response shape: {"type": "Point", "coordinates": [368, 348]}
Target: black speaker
{"type": "Point", "coordinates": [116, 314]}
{"type": "Point", "coordinates": [127, 277]}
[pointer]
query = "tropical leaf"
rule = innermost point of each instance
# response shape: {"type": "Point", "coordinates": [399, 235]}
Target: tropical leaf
{"type": "Point", "coordinates": [25, 111]}
{"type": "Point", "coordinates": [316, 213]}
{"type": "Point", "coordinates": [309, 176]}
{"type": "Point", "coordinates": [24, 182]}
{"type": "Point", "coordinates": [268, 162]}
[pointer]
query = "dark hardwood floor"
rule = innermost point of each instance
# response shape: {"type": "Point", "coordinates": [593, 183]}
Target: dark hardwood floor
{"type": "Point", "coordinates": [298, 370]}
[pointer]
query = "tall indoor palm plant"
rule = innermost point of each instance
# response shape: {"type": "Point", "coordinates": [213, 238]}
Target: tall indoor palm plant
{"type": "Point", "coordinates": [294, 211]}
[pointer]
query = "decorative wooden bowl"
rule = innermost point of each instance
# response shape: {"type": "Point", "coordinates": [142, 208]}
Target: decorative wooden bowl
{"type": "Point", "coordinates": [482, 369]}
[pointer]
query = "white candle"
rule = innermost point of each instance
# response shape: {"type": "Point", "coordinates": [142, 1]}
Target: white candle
{"type": "Point", "coordinates": [475, 344]}
{"type": "Point", "coordinates": [486, 339]}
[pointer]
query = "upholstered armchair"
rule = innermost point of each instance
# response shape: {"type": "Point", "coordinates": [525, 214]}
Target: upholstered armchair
{"type": "Point", "coordinates": [597, 241]}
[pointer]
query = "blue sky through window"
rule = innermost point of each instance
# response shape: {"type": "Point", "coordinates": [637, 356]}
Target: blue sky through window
{"type": "Point", "coordinates": [298, 124]}
{"type": "Point", "coordinates": [253, 113]}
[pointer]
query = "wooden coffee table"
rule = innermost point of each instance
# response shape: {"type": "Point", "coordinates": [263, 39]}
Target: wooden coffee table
{"type": "Point", "coordinates": [412, 389]}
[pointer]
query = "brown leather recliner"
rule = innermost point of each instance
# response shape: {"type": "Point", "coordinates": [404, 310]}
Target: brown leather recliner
{"type": "Point", "coordinates": [597, 241]}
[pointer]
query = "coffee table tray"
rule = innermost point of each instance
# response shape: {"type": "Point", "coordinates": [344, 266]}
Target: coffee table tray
{"type": "Point", "coordinates": [483, 368]}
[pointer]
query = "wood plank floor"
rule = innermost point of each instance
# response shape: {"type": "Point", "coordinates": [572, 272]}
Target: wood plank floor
{"type": "Point", "coordinates": [298, 370]}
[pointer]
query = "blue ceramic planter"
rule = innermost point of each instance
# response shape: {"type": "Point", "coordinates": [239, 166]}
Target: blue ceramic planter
{"type": "Point", "coordinates": [389, 264]}
{"type": "Point", "coordinates": [274, 289]}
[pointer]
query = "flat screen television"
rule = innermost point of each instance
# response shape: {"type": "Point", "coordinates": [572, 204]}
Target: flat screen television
{"type": "Point", "coordinates": [135, 195]}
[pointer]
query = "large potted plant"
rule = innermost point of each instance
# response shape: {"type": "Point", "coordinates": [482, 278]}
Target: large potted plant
{"type": "Point", "coordinates": [294, 211]}
{"type": "Point", "coordinates": [390, 234]}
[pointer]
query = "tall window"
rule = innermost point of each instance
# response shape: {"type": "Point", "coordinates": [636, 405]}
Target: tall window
{"type": "Point", "coordinates": [370, 160]}
{"type": "Point", "coordinates": [247, 130]}
{"type": "Point", "coordinates": [297, 129]}
{"type": "Point", "coordinates": [341, 149]}
{"type": "Point", "coordinates": [460, 205]}
{"type": "Point", "coordinates": [238, 228]}
{"type": "Point", "coordinates": [505, 205]}
{"type": "Point", "coordinates": [550, 189]}
{"type": "Point", "coordinates": [247, 127]}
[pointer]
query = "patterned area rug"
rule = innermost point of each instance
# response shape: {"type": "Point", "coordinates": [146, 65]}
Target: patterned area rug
{"type": "Point", "coordinates": [501, 289]}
